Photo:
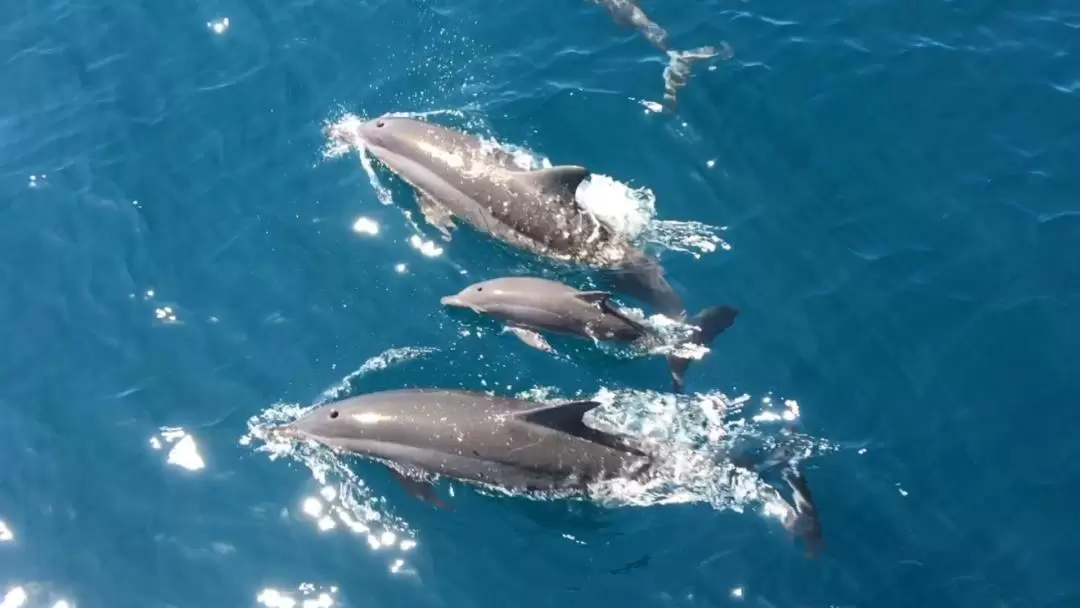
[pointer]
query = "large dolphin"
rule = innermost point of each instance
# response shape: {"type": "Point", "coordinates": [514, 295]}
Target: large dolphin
{"type": "Point", "coordinates": [457, 175]}
{"type": "Point", "coordinates": [626, 13]}
{"type": "Point", "coordinates": [530, 305]}
{"type": "Point", "coordinates": [475, 437]}
{"type": "Point", "coordinates": [494, 441]}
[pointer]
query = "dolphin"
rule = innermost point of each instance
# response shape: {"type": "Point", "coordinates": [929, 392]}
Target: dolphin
{"type": "Point", "coordinates": [458, 175]}
{"type": "Point", "coordinates": [530, 305]}
{"type": "Point", "coordinates": [677, 71]}
{"type": "Point", "coordinates": [489, 440]}
{"type": "Point", "coordinates": [473, 437]}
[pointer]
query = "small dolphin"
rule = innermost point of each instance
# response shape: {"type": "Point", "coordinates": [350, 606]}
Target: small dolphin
{"type": "Point", "coordinates": [530, 304]}
{"type": "Point", "coordinates": [457, 175]}
{"type": "Point", "coordinates": [626, 13]}
{"type": "Point", "coordinates": [474, 437]}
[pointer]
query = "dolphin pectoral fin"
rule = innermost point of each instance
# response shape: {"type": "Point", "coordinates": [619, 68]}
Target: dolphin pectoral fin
{"type": "Point", "coordinates": [435, 214]}
{"type": "Point", "coordinates": [562, 180]}
{"type": "Point", "coordinates": [531, 338]}
{"type": "Point", "coordinates": [639, 563]}
{"type": "Point", "coordinates": [420, 489]}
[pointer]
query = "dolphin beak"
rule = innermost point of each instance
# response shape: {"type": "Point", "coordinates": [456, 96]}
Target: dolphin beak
{"type": "Point", "coordinates": [453, 301]}
{"type": "Point", "coordinates": [287, 431]}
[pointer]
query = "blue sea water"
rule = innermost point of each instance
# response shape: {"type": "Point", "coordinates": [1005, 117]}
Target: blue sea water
{"type": "Point", "coordinates": [887, 191]}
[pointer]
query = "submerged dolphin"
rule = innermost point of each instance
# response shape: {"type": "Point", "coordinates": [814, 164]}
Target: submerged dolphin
{"type": "Point", "coordinates": [625, 12]}
{"type": "Point", "coordinates": [530, 304]}
{"type": "Point", "coordinates": [458, 175]}
{"type": "Point", "coordinates": [476, 437]}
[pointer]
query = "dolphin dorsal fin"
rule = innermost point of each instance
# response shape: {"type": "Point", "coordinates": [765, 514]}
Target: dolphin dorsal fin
{"type": "Point", "coordinates": [593, 297]}
{"type": "Point", "coordinates": [568, 418]}
{"type": "Point", "coordinates": [563, 179]}
{"type": "Point", "coordinates": [565, 417]}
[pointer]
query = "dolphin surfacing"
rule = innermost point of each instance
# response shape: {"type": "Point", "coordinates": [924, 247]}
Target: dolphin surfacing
{"type": "Point", "coordinates": [474, 437]}
{"type": "Point", "coordinates": [677, 71]}
{"type": "Point", "coordinates": [458, 176]}
{"type": "Point", "coordinates": [529, 305]}
{"type": "Point", "coordinates": [497, 441]}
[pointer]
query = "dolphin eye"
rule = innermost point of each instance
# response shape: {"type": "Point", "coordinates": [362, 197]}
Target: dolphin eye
{"type": "Point", "coordinates": [333, 414]}
{"type": "Point", "coordinates": [379, 123]}
{"type": "Point", "coordinates": [479, 289]}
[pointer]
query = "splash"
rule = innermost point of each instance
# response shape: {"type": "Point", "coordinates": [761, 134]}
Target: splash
{"type": "Point", "coordinates": [307, 595]}
{"type": "Point", "coordinates": [184, 452]}
{"type": "Point", "coordinates": [379, 362]}
{"type": "Point", "coordinates": [344, 502]}
{"type": "Point", "coordinates": [695, 433]}
{"type": "Point", "coordinates": [38, 594]}
{"type": "Point", "coordinates": [694, 436]}
{"type": "Point", "coordinates": [627, 210]}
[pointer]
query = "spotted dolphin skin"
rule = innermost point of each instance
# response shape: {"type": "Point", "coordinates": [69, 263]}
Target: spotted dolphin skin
{"type": "Point", "coordinates": [529, 305]}
{"type": "Point", "coordinates": [677, 72]}
{"type": "Point", "coordinates": [476, 437]}
{"type": "Point", "coordinates": [457, 175]}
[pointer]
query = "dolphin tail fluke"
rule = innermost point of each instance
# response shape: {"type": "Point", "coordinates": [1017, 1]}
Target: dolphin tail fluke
{"type": "Point", "coordinates": [710, 322]}
{"type": "Point", "coordinates": [677, 71]}
{"type": "Point", "coordinates": [799, 516]}
{"type": "Point", "coordinates": [805, 523]}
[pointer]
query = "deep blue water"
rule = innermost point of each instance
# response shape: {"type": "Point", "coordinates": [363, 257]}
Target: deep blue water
{"type": "Point", "coordinates": [900, 193]}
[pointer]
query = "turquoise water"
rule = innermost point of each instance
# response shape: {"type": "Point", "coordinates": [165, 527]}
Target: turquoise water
{"type": "Point", "coordinates": [886, 191]}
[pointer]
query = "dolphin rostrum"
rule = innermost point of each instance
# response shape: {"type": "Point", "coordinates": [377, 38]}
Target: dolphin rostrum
{"type": "Point", "coordinates": [529, 305]}
{"type": "Point", "coordinates": [457, 175]}
{"type": "Point", "coordinates": [474, 437]}
{"type": "Point", "coordinates": [626, 13]}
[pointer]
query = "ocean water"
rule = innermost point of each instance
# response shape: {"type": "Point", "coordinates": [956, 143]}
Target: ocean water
{"type": "Point", "coordinates": [191, 249]}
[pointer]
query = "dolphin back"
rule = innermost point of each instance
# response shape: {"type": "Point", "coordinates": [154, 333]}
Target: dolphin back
{"type": "Point", "coordinates": [474, 436]}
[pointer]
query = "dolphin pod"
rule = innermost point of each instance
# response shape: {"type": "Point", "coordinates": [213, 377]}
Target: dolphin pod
{"type": "Point", "coordinates": [529, 305]}
{"type": "Point", "coordinates": [508, 443]}
{"type": "Point", "coordinates": [458, 175]}
{"type": "Point", "coordinates": [480, 438]}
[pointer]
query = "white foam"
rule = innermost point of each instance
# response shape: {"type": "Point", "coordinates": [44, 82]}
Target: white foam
{"type": "Point", "coordinates": [14, 598]}
{"type": "Point", "coordinates": [184, 453]}
{"type": "Point", "coordinates": [220, 26]}
{"type": "Point", "coordinates": [693, 434]}
{"type": "Point", "coordinates": [365, 225]}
